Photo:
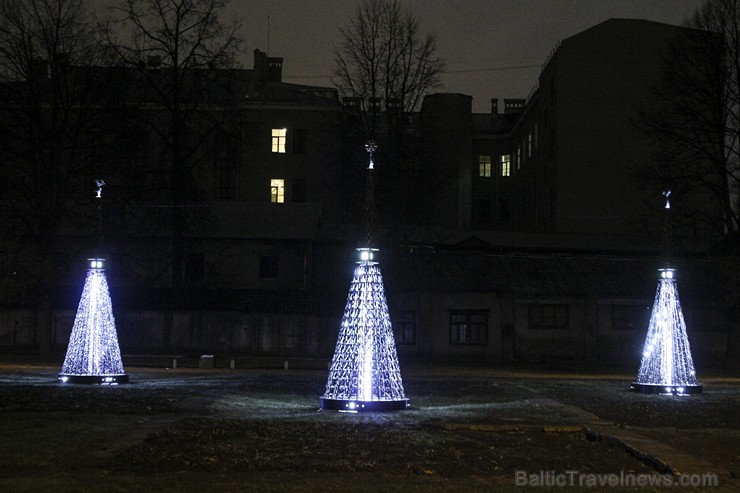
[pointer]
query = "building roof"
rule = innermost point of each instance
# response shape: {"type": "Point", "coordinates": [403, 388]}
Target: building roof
{"type": "Point", "coordinates": [624, 26]}
{"type": "Point", "coordinates": [146, 84]}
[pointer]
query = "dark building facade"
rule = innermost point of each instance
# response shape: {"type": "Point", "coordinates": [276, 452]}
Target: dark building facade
{"type": "Point", "coordinates": [524, 234]}
{"type": "Point", "coordinates": [569, 159]}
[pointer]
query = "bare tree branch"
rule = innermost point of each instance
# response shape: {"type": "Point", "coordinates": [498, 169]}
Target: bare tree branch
{"type": "Point", "coordinates": [49, 114]}
{"type": "Point", "coordinates": [695, 125]}
{"type": "Point", "coordinates": [385, 66]}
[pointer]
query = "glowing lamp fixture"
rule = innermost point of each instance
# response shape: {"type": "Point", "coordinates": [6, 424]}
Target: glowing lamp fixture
{"type": "Point", "coordinates": [93, 355]}
{"type": "Point", "coordinates": [364, 374]}
{"type": "Point", "coordinates": [667, 366]}
{"type": "Point", "coordinates": [99, 191]}
{"type": "Point", "coordinates": [371, 146]}
{"type": "Point", "coordinates": [366, 255]}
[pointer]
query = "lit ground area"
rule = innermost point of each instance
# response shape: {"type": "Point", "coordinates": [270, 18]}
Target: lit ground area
{"type": "Point", "coordinates": [258, 430]}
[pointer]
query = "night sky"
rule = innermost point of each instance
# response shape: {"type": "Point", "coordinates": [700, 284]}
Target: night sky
{"type": "Point", "coordinates": [472, 35]}
{"type": "Point", "coordinates": [493, 48]}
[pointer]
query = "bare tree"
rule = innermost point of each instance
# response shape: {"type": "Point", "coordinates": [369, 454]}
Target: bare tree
{"type": "Point", "coordinates": [695, 125]}
{"type": "Point", "coordinates": [47, 114]}
{"type": "Point", "coordinates": [173, 48]}
{"type": "Point", "coordinates": [383, 58]}
{"type": "Point", "coordinates": [695, 120]}
{"type": "Point", "coordinates": [385, 65]}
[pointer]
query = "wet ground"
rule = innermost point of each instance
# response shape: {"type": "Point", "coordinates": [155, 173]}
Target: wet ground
{"type": "Point", "coordinates": [469, 429]}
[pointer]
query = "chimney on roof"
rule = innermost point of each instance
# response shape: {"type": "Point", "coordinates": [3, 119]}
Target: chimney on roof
{"type": "Point", "coordinates": [514, 105]}
{"type": "Point", "coordinates": [352, 101]}
{"type": "Point", "coordinates": [494, 106]}
{"type": "Point", "coordinates": [268, 68]}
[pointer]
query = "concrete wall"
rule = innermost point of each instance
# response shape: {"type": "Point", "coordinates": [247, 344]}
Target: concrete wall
{"type": "Point", "coordinates": [195, 332]}
{"type": "Point", "coordinates": [591, 336]}
{"type": "Point", "coordinates": [594, 333]}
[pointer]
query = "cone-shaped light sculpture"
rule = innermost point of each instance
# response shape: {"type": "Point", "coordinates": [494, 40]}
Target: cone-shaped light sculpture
{"type": "Point", "coordinates": [364, 374]}
{"type": "Point", "coordinates": [93, 355]}
{"type": "Point", "coordinates": [667, 366]}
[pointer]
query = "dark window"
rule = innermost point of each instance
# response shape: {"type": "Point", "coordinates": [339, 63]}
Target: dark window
{"type": "Point", "coordinates": [300, 140]}
{"type": "Point", "coordinates": [552, 89]}
{"type": "Point", "coordinates": [4, 179]}
{"type": "Point", "coordinates": [268, 267]}
{"type": "Point", "coordinates": [405, 328]}
{"type": "Point", "coordinates": [630, 317]}
{"type": "Point", "coordinates": [294, 340]}
{"type": "Point", "coordinates": [194, 268]}
{"type": "Point", "coordinates": [469, 328]}
{"type": "Point", "coordinates": [7, 271]}
{"type": "Point", "coordinates": [503, 210]}
{"type": "Point", "coordinates": [299, 190]}
{"type": "Point", "coordinates": [134, 141]}
{"type": "Point", "coordinates": [225, 156]}
{"type": "Point", "coordinates": [553, 143]}
{"type": "Point", "coordinates": [223, 181]}
{"type": "Point", "coordinates": [484, 212]}
{"type": "Point", "coordinates": [548, 317]}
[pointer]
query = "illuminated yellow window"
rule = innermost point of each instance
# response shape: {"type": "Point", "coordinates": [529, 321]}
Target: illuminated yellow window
{"type": "Point", "coordinates": [484, 166]}
{"type": "Point", "coordinates": [277, 190]}
{"type": "Point", "coordinates": [278, 139]}
{"type": "Point", "coordinates": [506, 165]}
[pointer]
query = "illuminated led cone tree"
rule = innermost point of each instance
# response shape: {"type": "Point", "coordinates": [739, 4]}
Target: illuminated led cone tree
{"type": "Point", "coordinates": [667, 366]}
{"type": "Point", "coordinates": [364, 374]}
{"type": "Point", "coordinates": [93, 355]}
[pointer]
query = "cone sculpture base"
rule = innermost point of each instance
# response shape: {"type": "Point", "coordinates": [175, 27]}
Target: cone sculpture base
{"type": "Point", "coordinates": [650, 388]}
{"type": "Point", "coordinates": [354, 406]}
{"type": "Point", "coordinates": [94, 379]}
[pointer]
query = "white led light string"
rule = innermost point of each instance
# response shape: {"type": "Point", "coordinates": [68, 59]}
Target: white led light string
{"type": "Point", "coordinates": [93, 344]}
{"type": "Point", "coordinates": [93, 355]}
{"type": "Point", "coordinates": [666, 357]}
{"type": "Point", "coordinates": [666, 366]}
{"type": "Point", "coordinates": [365, 364]}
